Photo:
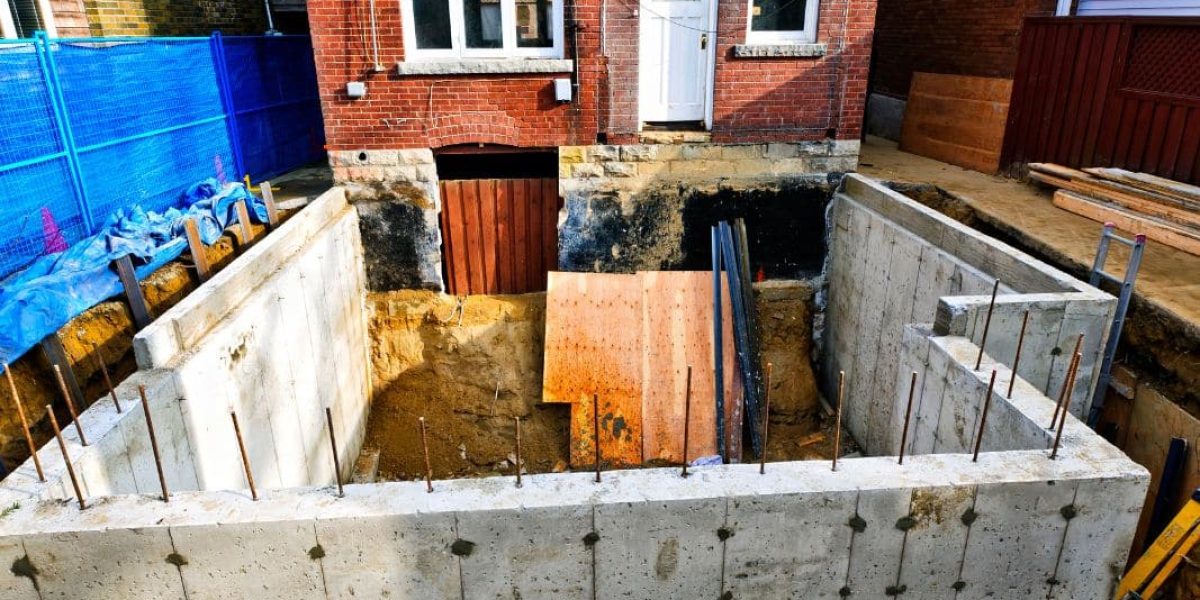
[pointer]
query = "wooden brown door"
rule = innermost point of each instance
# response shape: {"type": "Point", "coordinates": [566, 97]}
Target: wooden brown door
{"type": "Point", "coordinates": [499, 236]}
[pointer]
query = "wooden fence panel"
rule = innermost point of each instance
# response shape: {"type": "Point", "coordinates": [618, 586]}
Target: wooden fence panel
{"type": "Point", "coordinates": [1107, 92]}
{"type": "Point", "coordinates": [499, 236]}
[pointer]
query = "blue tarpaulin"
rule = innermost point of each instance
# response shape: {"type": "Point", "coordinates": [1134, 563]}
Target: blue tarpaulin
{"type": "Point", "coordinates": [43, 297]}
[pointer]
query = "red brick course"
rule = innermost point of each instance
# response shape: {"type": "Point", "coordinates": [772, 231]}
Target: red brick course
{"type": "Point", "coordinates": [755, 100]}
{"type": "Point", "coordinates": [971, 37]}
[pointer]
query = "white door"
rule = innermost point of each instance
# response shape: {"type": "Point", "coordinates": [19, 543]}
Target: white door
{"type": "Point", "coordinates": [675, 60]}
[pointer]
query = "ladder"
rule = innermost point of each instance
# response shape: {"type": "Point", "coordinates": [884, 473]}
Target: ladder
{"type": "Point", "coordinates": [1137, 246]}
{"type": "Point", "coordinates": [1163, 557]}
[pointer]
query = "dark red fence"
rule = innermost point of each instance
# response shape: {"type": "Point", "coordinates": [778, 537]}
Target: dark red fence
{"type": "Point", "coordinates": [1107, 92]}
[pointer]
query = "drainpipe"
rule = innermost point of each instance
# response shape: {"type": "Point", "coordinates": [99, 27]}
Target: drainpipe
{"type": "Point", "coordinates": [574, 24]}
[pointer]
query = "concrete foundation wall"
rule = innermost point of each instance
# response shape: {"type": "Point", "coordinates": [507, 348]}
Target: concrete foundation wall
{"type": "Point", "coordinates": [893, 262]}
{"type": "Point", "coordinates": [277, 335]}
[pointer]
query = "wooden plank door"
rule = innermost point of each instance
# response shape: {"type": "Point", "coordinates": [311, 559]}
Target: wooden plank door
{"type": "Point", "coordinates": [499, 236]}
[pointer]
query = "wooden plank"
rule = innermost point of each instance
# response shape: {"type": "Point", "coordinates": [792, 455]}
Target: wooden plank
{"type": "Point", "coordinates": [957, 119]}
{"type": "Point", "coordinates": [550, 224]}
{"type": "Point", "coordinates": [677, 332]}
{"type": "Point", "coordinates": [487, 226]}
{"type": "Point", "coordinates": [197, 250]}
{"type": "Point", "coordinates": [504, 237]}
{"type": "Point", "coordinates": [133, 292]}
{"type": "Point", "coordinates": [474, 237]}
{"type": "Point", "coordinates": [268, 196]}
{"type": "Point", "coordinates": [533, 240]}
{"type": "Point", "coordinates": [1153, 183]}
{"type": "Point", "coordinates": [1153, 208]}
{"type": "Point", "coordinates": [458, 262]}
{"type": "Point", "coordinates": [520, 207]}
{"type": "Point", "coordinates": [594, 346]}
{"type": "Point", "coordinates": [1155, 229]}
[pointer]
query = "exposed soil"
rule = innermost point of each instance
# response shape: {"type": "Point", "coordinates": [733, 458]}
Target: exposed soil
{"type": "Point", "coordinates": [470, 372]}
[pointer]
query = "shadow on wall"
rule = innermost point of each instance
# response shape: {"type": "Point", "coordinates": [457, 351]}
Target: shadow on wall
{"type": "Point", "coordinates": [669, 229]}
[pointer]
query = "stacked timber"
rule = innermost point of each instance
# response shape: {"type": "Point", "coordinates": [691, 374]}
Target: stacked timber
{"type": "Point", "coordinates": [1166, 211]}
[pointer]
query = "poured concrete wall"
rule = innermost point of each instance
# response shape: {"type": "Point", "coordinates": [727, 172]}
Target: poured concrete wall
{"type": "Point", "coordinates": [893, 262]}
{"type": "Point", "coordinates": [276, 336]}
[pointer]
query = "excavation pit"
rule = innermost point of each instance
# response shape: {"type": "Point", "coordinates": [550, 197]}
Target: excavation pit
{"type": "Point", "coordinates": [288, 330]}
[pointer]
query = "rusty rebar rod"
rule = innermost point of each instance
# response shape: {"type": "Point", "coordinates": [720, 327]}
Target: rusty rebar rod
{"type": "Point", "coordinates": [596, 431]}
{"type": "Point", "coordinates": [62, 388]}
{"type": "Point", "coordinates": [1017, 359]}
{"type": "Point", "coordinates": [237, 432]}
{"type": "Point", "coordinates": [687, 419]}
{"type": "Point", "coordinates": [62, 445]}
{"type": "Point", "coordinates": [425, 449]}
{"type": "Point", "coordinates": [107, 380]}
{"type": "Point", "coordinates": [766, 420]}
{"type": "Point", "coordinates": [518, 421]}
{"type": "Point", "coordinates": [987, 324]}
{"type": "Point", "coordinates": [337, 462]}
{"type": "Point", "coordinates": [1071, 366]}
{"type": "Point", "coordinates": [987, 403]}
{"type": "Point", "coordinates": [912, 392]}
{"type": "Point", "coordinates": [1062, 423]}
{"type": "Point", "coordinates": [12, 386]}
{"type": "Point", "coordinates": [837, 426]}
{"type": "Point", "coordinates": [162, 479]}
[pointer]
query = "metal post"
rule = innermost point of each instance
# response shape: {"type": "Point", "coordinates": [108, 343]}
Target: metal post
{"type": "Point", "coordinates": [59, 105]}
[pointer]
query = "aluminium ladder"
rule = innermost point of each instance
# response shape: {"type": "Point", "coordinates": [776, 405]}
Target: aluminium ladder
{"type": "Point", "coordinates": [1137, 246]}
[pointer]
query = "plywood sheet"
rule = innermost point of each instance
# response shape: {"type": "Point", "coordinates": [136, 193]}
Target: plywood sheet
{"type": "Point", "coordinates": [678, 332]}
{"type": "Point", "coordinates": [594, 346]}
{"type": "Point", "coordinates": [957, 119]}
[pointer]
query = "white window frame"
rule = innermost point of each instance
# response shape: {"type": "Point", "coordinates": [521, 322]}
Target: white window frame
{"type": "Point", "coordinates": [458, 36]}
{"type": "Point", "coordinates": [808, 35]}
{"type": "Point", "coordinates": [8, 26]}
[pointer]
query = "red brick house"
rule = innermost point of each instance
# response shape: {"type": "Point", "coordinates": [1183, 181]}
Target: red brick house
{"type": "Point", "coordinates": [632, 95]}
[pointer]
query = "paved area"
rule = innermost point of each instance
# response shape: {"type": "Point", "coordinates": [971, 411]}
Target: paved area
{"type": "Point", "coordinates": [1169, 278]}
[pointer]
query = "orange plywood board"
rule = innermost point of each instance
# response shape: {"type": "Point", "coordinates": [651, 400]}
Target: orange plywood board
{"type": "Point", "coordinates": [957, 119]}
{"type": "Point", "coordinates": [594, 346]}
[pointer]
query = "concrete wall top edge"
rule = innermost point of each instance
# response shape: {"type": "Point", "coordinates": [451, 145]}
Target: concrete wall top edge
{"type": "Point", "coordinates": [189, 509]}
{"type": "Point", "coordinates": [1023, 272]}
{"type": "Point", "coordinates": [180, 326]}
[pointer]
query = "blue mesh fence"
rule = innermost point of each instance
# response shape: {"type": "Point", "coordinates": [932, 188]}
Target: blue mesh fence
{"type": "Point", "coordinates": [90, 126]}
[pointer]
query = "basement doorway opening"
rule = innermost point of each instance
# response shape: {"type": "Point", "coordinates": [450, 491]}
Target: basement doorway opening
{"type": "Point", "coordinates": [499, 218]}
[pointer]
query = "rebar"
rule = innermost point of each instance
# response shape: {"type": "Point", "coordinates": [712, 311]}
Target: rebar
{"type": "Point", "coordinates": [987, 403]}
{"type": "Point", "coordinates": [1017, 358]}
{"type": "Point", "coordinates": [337, 463]}
{"type": "Point", "coordinates": [1062, 423]}
{"type": "Point", "coordinates": [428, 465]}
{"type": "Point", "coordinates": [987, 324]}
{"type": "Point", "coordinates": [766, 424]}
{"type": "Point", "coordinates": [518, 421]}
{"type": "Point", "coordinates": [837, 426]}
{"type": "Point", "coordinates": [912, 389]}
{"type": "Point", "coordinates": [107, 380]}
{"type": "Point", "coordinates": [687, 419]}
{"type": "Point", "coordinates": [1071, 366]}
{"type": "Point", "coordinates": [237, 432]}
{"type": "Point", "coordinates": [62, 388]}
{"type": "Point", "coordinates": [596, 431]}
{"type": "Point", "coordinates": [162, 478]}
{"type": "Point", "coordinates": [12, 386]}
{"type": "Point", "coordinates": [62, 445]}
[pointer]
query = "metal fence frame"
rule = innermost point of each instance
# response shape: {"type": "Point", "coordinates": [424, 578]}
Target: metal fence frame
{"type": "Point", "coordinates": [69, 150]}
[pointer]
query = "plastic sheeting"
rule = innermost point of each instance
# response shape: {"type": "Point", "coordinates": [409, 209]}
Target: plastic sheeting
{"type": "Point", "coordinates": [46, 295]}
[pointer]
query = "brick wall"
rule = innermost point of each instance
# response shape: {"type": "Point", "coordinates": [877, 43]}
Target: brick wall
{"type": "Point", "coordinates": [755, 100]}
{"type": "Point", "coordinates": [955, 37]}
{"type": "Point", "coordinates": [173, 17]}
{"type": "Point", "coordinates": [70, 18]}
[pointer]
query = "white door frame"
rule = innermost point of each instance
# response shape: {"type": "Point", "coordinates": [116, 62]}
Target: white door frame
{"type": "Point", "coordinates": [710, 73]}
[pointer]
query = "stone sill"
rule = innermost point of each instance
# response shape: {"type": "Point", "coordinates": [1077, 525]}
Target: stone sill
{"type": "Point", "coordinates": [484, 66]}
{"type": "Point", "coordinates": [779, 50]}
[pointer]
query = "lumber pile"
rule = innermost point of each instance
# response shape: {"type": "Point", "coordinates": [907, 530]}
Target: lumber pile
{"type": "Point", "coordinates": [1166, 211]}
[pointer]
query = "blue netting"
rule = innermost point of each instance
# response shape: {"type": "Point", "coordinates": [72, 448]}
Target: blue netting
{"type": "Point", "coordinates": [95, 125]}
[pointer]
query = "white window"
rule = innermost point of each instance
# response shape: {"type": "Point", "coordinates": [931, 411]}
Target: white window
{"type": "Point", "coordinates": [441, 29]}
{"type": "Point", "coordinates": [20, 18]}
{"type": "Point", "coordinates": [782, 22]}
